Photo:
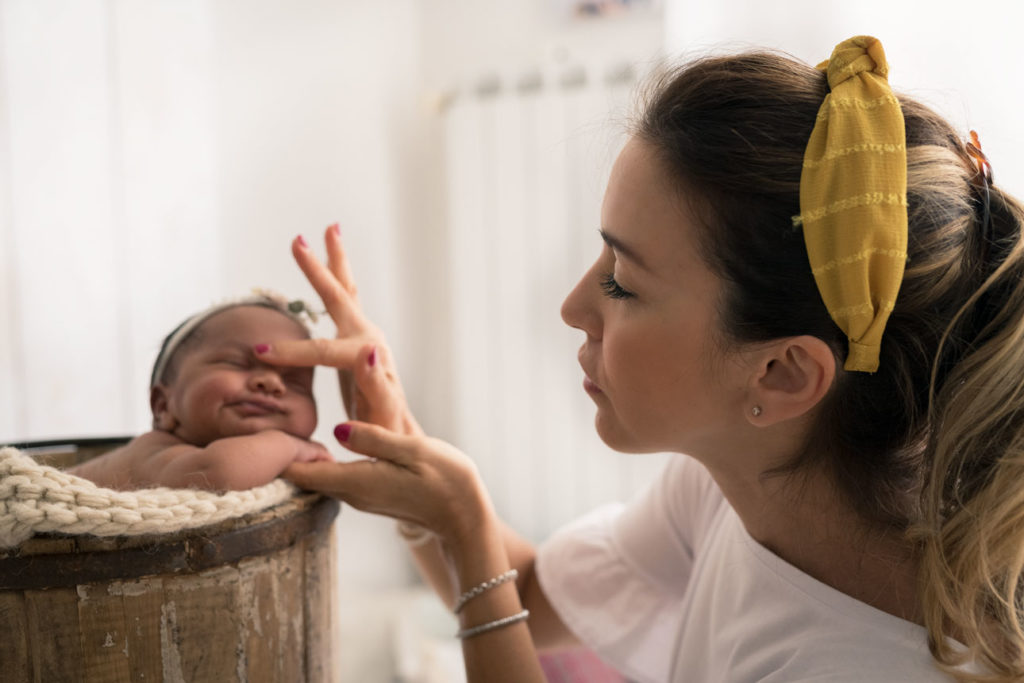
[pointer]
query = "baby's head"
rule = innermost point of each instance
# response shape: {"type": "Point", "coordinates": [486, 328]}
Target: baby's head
{"type": "Point", "coordinates": [208, 384]}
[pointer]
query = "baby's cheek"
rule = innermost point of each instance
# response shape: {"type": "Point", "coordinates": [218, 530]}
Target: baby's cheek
{"type": "Point", "coordinates": [306, 419]}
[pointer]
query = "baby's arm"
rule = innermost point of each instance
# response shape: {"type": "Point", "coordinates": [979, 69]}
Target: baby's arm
{"type": "Point", "coordinates": [232, 463]}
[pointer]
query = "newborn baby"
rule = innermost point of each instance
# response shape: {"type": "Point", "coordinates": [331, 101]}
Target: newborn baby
{"type": "Point", "coordinates": [221, 419]}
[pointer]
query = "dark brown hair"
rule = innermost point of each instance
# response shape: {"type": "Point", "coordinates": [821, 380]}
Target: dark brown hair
{"type": "Point", "coordinates": [731, 131]}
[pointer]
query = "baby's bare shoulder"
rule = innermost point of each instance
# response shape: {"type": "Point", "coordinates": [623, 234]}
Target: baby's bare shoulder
{"type": "Point", "coordinates": [126, 467]}
{"type": "Point", "coordinates": [144, 446]}
{"type": "Point", "coordinates": [154, 440]}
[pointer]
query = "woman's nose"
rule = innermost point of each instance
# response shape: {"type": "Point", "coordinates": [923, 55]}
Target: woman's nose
{"type": "Point", "coordinates": [579, 309]}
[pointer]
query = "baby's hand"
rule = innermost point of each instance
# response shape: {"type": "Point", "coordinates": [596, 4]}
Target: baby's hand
{"type": "Point", "coordinates": [312, 451]}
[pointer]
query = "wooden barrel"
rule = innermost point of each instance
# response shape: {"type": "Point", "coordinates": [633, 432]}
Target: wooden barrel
{"type": "Point", "coordinates": [248, 599]}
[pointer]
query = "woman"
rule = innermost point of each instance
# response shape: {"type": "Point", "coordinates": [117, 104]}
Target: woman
{"type": "Point", "coordinates": [813, 290]}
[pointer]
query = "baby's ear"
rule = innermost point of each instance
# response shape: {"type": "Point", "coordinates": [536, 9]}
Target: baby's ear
{"type": "Point", "coordinates": [162, 418]}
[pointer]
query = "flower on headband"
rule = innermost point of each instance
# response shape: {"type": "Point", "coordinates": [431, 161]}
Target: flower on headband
{"type": "Point", "coordinates": [296, 307]}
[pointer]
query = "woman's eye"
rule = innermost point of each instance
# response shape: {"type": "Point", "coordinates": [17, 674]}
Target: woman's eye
{"type": "Point", "coordinates": [612, 289]}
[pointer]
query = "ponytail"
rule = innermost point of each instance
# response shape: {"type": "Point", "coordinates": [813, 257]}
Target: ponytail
{"type": "Point", "coordinates": [972, 504]}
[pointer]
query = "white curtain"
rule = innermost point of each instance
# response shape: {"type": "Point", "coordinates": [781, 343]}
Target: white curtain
{"type": "Point", "coordinates": [527, 167]}
{"type": "Point", "coordinates": [108, 212]}
{"type": "Point", "coordinates": [158, 157]}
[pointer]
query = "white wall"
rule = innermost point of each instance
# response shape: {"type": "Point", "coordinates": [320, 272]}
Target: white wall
{"type": "Point", "coordinates": [961, 58]}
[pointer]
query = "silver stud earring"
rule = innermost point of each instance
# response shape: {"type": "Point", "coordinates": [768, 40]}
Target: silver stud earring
{"type": "Point", "coordinates": [756, 411]}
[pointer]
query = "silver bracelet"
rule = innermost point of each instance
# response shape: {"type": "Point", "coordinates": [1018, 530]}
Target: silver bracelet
{"type": "Point", "coordinates": [491, 625]}
{"type": "Point", "coordinates": [510, 575]}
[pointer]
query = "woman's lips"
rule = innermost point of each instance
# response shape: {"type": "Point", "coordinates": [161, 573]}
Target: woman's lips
{"type": "Point", "coordinates": [588, 384]}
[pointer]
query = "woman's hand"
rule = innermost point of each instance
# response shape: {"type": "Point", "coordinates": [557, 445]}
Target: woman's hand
{"type": "Point", "coordinates": [431, 484]}
{"type": "Point", "coordinates": [367, 376]}
{"type": "Point", "coordinates": [415, 479]}
{"type": "Point", "coordinates": [311, 451]}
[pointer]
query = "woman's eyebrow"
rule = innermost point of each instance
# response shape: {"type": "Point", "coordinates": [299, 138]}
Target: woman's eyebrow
{"type": "Point", "coordinates": [623, 249]}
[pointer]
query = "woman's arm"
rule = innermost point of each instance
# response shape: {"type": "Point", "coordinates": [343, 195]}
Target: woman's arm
{"type": "Point", "coordinates": [546, 627]}
{"type": "Point", "coordinates": [431, 484]}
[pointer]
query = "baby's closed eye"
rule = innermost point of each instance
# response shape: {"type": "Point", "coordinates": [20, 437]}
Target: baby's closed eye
{"type": "Point", "coordinates": [299, 379]}
{"type": "Point", "coordinates": [234, 360]}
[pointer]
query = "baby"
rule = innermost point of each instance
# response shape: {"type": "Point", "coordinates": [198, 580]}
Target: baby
{"type": "Point", "coordinates": [221, 419]}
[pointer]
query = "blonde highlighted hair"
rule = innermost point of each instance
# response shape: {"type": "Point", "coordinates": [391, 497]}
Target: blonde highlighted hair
{"type": "Point", "coordinates": [933, 443]}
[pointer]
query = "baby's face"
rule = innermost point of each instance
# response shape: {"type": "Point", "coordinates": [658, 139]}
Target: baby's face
{"type": "Point", "coordinates": [221, 389]}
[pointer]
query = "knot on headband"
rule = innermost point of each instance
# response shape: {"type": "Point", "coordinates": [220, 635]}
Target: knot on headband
{"type": "Point", "coordinates": [853, 197]}
{"type": "Point", "coordinates": [853, 57]}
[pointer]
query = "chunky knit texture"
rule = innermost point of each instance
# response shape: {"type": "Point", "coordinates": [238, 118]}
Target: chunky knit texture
{"type": "Point", "coordinates": [36, 499]}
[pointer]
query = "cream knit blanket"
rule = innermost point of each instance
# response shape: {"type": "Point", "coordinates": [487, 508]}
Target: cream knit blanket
{"type": "Point", "coordinates": [36, 499]}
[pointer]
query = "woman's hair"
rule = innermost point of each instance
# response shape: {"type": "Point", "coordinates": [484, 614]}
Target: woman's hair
{"type": "Point", "coordinates": [932, 443]}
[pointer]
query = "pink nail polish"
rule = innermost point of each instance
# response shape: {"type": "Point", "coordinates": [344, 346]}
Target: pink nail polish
{"type": "Point", "coordinates": [261, 348]}
{"type": "Point", "coordinates": [302, 242]}
{"type": "Point", "coordinates": [371, 360]}
{"type": "Point", "coordinates": [336, 229]}
{"type": "Point", "coordinates": [343, 431]}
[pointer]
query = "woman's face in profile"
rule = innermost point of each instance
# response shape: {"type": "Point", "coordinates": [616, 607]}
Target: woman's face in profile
{"type": "Point", "coordinates": [648, 307]}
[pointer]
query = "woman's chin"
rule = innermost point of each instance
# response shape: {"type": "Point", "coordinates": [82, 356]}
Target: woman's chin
{"type": "Point", "coordinates": [614, 435]}
{"type": "Point", "coordinates": [621, 438]}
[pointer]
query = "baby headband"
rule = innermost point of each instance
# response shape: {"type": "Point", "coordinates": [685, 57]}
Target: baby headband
{"type": "Point", "coordinates": [853, 197]}
{"type": "Point", "coordinates": [260, 297]}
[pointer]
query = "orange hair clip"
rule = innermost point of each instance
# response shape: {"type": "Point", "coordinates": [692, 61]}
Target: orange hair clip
{"type": "Point", "coordinates": [974, 149]}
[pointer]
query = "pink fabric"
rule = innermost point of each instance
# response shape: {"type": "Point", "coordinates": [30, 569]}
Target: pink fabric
{"type": "Point", "coordinates": [577, 666]}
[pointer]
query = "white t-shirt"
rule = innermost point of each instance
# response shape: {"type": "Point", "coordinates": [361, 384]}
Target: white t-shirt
{"type": "Point", "coordinates": [673, 589]}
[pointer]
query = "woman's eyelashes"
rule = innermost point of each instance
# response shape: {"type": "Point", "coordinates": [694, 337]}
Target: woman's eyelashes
{"type": "Point", "coordinates": [613, 289]}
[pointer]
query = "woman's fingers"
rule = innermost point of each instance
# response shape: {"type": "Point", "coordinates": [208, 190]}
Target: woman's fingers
{"type": "Point", "coordinates": [338, 479]}
{"type": "Point", "coordinates": [412, 478]}
{"type": "Point", "coordinates": [365, 485]}
{"type": "Point", "coordinates": [378, 393]}
{"type": "Point", "coordinates": [378, 442]}
{"type": "Point", "coordinates": [337, 262]}
{"type": "Point", "coordinates": [340, 305]}
{"type": "Point", "coordinates": [316, 476]}
{"type": "Point", "coordinates": [337, 353]}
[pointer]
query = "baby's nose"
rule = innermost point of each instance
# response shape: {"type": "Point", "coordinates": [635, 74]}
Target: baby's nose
{"type": "Point", "coordinates": [266, 380]}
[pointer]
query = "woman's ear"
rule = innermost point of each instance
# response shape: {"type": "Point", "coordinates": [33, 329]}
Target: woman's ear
{"type": "Point", "coordinates": [163, 420]}
{"type": "Point", "coordinates": [791, 378]}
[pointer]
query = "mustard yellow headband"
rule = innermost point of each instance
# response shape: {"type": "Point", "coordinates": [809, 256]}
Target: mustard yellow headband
{"type": "Point", "coordinates": [853, 197]}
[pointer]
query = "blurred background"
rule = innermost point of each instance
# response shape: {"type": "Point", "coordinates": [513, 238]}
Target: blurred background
{"type": "Point", "coordinates": [158, 156]}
